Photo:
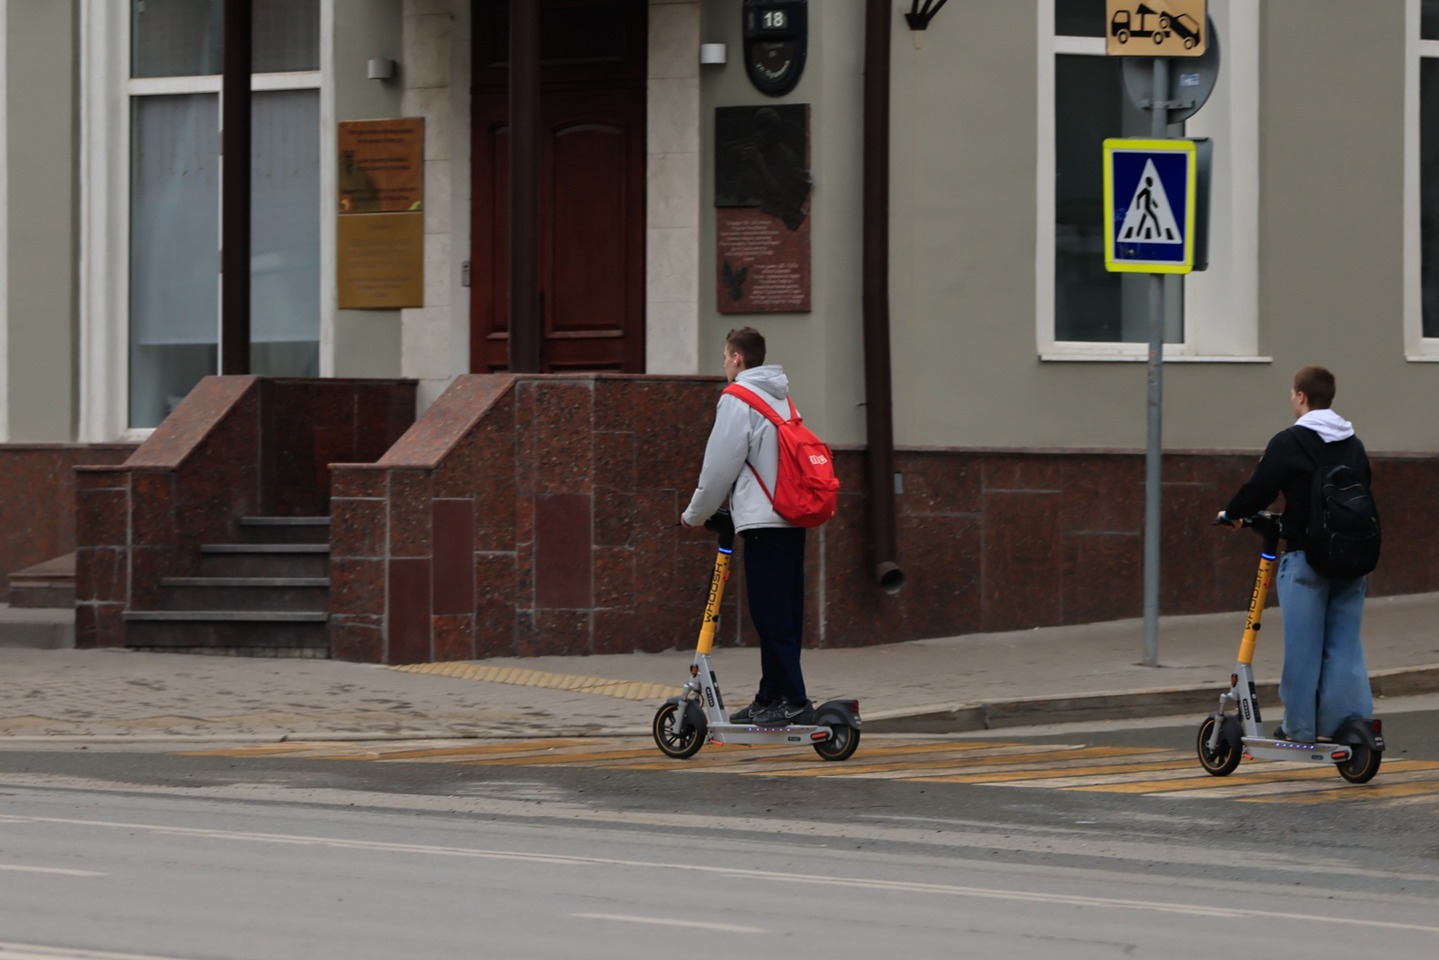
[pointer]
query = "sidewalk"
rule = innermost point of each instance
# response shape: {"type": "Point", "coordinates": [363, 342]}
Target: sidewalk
{"type": "Point", "coordinates": [948, 685]}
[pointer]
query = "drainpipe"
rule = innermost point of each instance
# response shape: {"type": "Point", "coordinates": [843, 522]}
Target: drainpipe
{"type": "Point", "coordinates": [879, 425]}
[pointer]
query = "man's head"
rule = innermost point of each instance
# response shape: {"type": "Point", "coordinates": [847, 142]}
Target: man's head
{"type": "Point", "coordinates": [1313, 390]}
{"type": "Point", "coordinates": [743, 349]}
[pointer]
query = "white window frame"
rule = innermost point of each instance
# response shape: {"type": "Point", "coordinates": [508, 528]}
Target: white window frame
{"type": "Point", "coordinates": [1221, 304]}
{"type": "Point", "coordinates": [1417, 347]}
{"type": "Point", "coordinates": [4, 234]}
{"type": "Point", "coordinates": [106, 91]}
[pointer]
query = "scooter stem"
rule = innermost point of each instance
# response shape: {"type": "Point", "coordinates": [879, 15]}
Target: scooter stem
{"type": "Point", "coordinates": [1269, 527]}
{"type": "Point", "coordinates": [1262, 580]}
{"type": "Point", "coordinates": [712, 608]}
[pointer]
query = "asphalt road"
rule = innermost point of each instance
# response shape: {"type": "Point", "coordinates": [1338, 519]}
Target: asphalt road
{"type": "Point", "coordinates": [145, 852]}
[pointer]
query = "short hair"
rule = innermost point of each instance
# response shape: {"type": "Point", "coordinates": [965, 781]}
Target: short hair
{"type": "Point", "coordinates": [749, 342]}
{"type": "Point", "coordinates": [1317, 385]}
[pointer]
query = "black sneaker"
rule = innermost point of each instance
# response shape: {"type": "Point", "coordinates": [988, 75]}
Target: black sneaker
{"type": "Point", "coordinates": [1279, 734]}
{"type": "Point", "coordinates": [746, 714]}
{"type": "Point", "coordinates": [784, 713]}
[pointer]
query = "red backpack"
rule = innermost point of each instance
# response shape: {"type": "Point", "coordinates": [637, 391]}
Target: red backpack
{"type": "Point", "coordinates": [806, 491]}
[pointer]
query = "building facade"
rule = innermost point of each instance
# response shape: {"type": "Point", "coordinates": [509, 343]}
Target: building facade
{"type": "Point", "coordinates": [1017, 363]}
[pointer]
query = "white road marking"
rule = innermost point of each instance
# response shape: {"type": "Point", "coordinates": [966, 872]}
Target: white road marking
{"type": "Point", "coordinates": [58, 871]}
{"type": "Point", "coordinates": [860, 883]}
{"type": "Point", "coordinates": [35, 951]}
{"type": "Point", "coordinates": [663, 922]}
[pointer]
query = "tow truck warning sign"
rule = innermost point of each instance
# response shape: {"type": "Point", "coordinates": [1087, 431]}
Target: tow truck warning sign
{"type": "Point", "coordinates": [1159, 28]}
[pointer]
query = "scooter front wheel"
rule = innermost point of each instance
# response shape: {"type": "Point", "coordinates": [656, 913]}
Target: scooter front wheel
{"type": "Point", "coordinates": [842, 743]}
{"type": "Point", "coordinates": [1224, 758]}
{"type": "Point", "coordinates": [671, 742]}
{"type": "Point", "coordinates": [1362, 765]}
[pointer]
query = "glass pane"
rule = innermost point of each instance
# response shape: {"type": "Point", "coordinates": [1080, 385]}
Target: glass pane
{"type": "Point", "coordinates": [287, 35]}
{"type": "Point", "coordinates": [1090, 303]}
{"type": "Point", "coordinates": [1429, 20]}
{"type": "Point", "coordinates": [1429, 192]}
{"type": "Point", "coordinates": [174, 255]}
{"type": "Point", "coordinates": [285, 234]}
{"type": "Point", "coordinates": [1079, 18]}
{"type": "Point", "coordinates": [176, 38]}
{"type": "Point", "coordinates": [183, 38]}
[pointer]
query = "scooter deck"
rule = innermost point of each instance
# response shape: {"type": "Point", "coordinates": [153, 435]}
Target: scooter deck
{"type": "Point", "coordinates": [1262, 748]}
{"type": "Point", "coordinates": [744, 734]}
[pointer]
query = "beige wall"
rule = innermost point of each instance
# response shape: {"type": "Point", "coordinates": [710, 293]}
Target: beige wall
{"type": "Point", "coordinates": [41, 252]}
{"type": "Point", "coordinates": [364, 343]}
{"type": "Point", "coordinates": [965, 148]}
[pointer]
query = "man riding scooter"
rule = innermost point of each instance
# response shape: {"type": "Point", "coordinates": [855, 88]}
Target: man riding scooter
{"type": "Point", "coordinates": [1324, 682]}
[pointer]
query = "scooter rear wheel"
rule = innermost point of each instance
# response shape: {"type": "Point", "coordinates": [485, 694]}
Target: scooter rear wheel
{"type": "Point", "coordinates": [842, 743]}
{"type": "Point", "coordinates": [672, 743]}
{"type": "Point", "coordinates": [1362, 765]}
{"type": "Point", "coordinates": [1223, 759]}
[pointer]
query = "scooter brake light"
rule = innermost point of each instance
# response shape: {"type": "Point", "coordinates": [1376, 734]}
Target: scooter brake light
{"type": "Point", "coordinates": [1339, 755]}
{"type": "Point", "coordinates": [1377, 726]}
{"type": "Point", "coordinates": [819, 735]}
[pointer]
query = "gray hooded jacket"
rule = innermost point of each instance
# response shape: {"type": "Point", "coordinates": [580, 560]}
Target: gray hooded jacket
{"type": "Point", "coordinates": [742, 434]}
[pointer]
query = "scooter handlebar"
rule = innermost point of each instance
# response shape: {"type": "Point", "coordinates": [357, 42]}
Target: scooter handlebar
{"type": "Point", "coordinates": [723, 525]}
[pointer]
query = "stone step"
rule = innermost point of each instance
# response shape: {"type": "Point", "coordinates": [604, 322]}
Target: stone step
{"type": "Point", "coordinates": [264, 559]}
{"type": "Point", "coordinates": [245, 593]}
{"type": "Point", "coordinates": [285, 529]}
{"type": "Point", "coordinates": [232, 632]}
{"type": "Point", "coordinates": [37, 629]}
{"type": "Point", "coordinates": [48, 585]}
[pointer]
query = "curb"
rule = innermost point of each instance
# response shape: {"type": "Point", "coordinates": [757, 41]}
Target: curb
{"type": "Point", "coordinates": [996, 714]}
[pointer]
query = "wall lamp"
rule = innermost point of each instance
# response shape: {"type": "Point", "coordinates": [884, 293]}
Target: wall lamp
{"type": "Point", "coordinates": [921, 12]}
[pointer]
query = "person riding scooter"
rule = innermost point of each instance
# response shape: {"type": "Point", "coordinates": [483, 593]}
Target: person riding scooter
{"type": "Point", "coordinates": [1324, 682]}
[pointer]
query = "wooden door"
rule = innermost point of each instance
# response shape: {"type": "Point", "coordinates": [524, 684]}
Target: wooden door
{"type": "Point", "coordinates": [591, 178]}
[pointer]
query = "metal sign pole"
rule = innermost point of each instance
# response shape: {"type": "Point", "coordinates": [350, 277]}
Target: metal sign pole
{"type": "Point", "coordinates": [1159, 129]}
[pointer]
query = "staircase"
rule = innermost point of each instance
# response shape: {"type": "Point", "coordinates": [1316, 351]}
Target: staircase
{"type": "Point", "coordinates": [267, 596]}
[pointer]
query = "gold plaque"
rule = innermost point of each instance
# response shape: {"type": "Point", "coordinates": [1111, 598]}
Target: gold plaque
{"type": "Point", "coordinates": [381, 260]}
{"type": "Point", "coordinates": [382, 165]}
{"type": "Point", "coordinates": [1160, 28]}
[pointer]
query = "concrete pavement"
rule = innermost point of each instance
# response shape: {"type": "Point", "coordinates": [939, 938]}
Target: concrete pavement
{"type": "Point", "coordinates": [947, 685]}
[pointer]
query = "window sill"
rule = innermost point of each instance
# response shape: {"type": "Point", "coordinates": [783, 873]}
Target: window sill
{"type": "Point", "coordinates": [1144, 358]}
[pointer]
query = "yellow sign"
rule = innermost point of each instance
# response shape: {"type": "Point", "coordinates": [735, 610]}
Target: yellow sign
{"type": "Point", "coordinates": [1159, 28]}
{"type": "Point", "coordinates": [381, 260]}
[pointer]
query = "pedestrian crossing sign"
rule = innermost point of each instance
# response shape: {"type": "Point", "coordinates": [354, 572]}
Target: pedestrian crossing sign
{"type": "Point", "coordinates": [1150, 193]}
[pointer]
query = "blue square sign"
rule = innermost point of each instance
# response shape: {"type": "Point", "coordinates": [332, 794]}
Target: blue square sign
{"type": "Point", "coordinates": [1149, 206]}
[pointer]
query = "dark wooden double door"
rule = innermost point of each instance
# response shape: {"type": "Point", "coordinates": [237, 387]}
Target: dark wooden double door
{"type": "Point", "coordinates": [591, 181]}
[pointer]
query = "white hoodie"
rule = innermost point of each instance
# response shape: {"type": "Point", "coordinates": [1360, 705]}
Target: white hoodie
{"type": "Point", "coordinates": [743, 436]}
{"type": "Point", "coordinates": [1330, 426]}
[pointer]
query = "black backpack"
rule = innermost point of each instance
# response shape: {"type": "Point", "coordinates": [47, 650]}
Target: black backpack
{"type": "Point", "coordinates": [1342, 538]}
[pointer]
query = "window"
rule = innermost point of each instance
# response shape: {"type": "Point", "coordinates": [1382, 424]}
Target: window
{"type": "Point", "coordinates": [175, 179]}
{"type": "Point", "coordinates": [1091, 304]}
{"type": "Point", "coordinates": [1082, 310]}
{"type": "Point", "coordinates": [1422, 185]}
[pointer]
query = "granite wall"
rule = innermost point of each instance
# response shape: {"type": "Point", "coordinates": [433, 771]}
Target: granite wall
{"type": "Point", "coordinates": [37, 500]}
{"type": "Point", "coordinates": [536, 515]}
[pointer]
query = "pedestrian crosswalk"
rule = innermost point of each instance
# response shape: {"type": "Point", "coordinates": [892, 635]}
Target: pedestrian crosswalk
{"type": "Point", "coordinates": [1135, 770]}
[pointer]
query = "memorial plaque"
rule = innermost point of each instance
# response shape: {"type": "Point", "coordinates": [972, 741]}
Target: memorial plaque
{"type": "Point", "coordinates": [381, 260]}
{"type": "Point", "coordinates": [382, 165]}
{"type": "Point", "coordinates": [380, 233]}
{"type": "Point", "coordinates": [762, 189]}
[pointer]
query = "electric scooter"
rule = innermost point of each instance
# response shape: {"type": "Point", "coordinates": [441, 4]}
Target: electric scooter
{"type": "Point", "coordinates": [697, 715]}
{"type": "Point", "coordinates": [1225, 738]}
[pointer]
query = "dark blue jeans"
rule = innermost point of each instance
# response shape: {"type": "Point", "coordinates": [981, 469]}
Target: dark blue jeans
{"type": "Point", "coordinates": [774, 582]}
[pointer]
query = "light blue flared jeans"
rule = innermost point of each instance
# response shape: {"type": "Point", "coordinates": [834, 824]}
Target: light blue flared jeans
{"type": "Point", "coordinates": [1324, 681]}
